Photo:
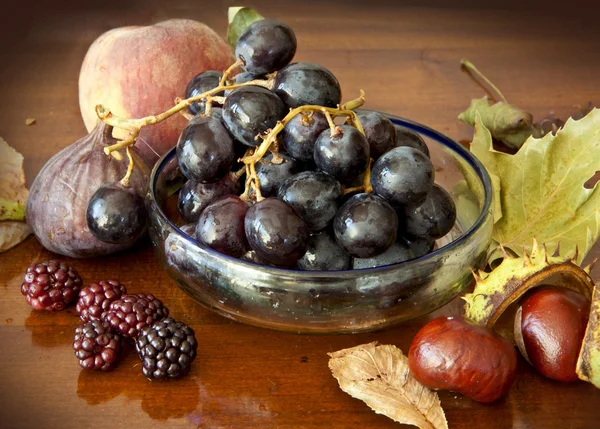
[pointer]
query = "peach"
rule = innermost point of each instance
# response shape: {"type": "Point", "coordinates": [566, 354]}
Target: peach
{"type": "Point", "coordinates": [139, 71]}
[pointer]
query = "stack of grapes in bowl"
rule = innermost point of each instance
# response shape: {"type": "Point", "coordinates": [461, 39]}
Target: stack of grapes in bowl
{"type": "Point", "coordinates": [302, 213]}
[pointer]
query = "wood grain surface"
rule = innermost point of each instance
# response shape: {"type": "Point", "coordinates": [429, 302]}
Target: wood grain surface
{"type": "Point", "coordinates": [405, 56]}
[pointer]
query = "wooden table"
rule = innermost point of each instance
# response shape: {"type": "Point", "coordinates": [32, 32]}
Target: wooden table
{"type": "Point", "coordinates": [406, 58]}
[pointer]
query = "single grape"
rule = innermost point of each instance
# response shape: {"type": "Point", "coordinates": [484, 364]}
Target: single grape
{"type": "Point", "coordinates": [221, 226]}
{"type": "Point", "coordinates": [250, 111]}
{"type": "Point", "coordinates": [306, 83]}
{"type": "Point", "coordinates": [403, 176]}
{"type": "Point", "coordinates": [323, 253]}
{"type": "Point", "coordinates": [266, 46]}
{"type": "Point", "coordinates": [201, 83]}
{"type": "Point", "coordinates": [271, 175]}
{"type": "Point", "coordinates": [406, 137]}
{"type": "Point", "coordinates": [300, 134]}
{"type": "Point", "coordinates": [205, 150]}
{"type": "Point", "coordinates": [434, 218]}
{"type": "Point", "coordinates": [116, 214]}
{"type": "Point", "coordinates": [275, 232]}
{"type": "Point", "coordinates": [365, 226]}
{"type": "Point", "coordinates": [379, 131]}
{"type": "Point", "coordinates": [419, 246]}
{"type": "Point", "coordinates": [314, 196]}
{"type": "Point", "coordinates": [396, 253]}
{"type": "Point", "coordinates": [344, 156]}
{"type": "Point", "coordinates": [195, 197]}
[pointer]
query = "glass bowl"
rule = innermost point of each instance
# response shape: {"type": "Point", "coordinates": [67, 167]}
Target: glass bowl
{"type": "Point", "coordinates": [333, 301]}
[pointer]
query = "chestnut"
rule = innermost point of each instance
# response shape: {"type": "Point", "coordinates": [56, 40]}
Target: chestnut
{"type": "Point", "coordinates": [451, 353]}
{"type": "Point", "coordinates": [549, 329]}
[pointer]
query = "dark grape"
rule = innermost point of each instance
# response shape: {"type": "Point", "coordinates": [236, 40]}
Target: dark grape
{"type": "Point", "coordinates": [434, 218]}
{"type": "Point", "coordinates": [201, 83]}
{"type": "Point", "coordinates": [252, 256]}
{"type": "Point", "coordinates": [344, 156]}
{"type": "Point", "coordinates": [242, 77]}
{"type": "Point", "coordinates": [419, 246]}
{"type": "Point", "coordinates": [195, 197]}
{"type": "Point", "coordinates": [403, 176]}
{"type": "Point", "coordinates": [300, 134]}
{"type": "Point", "coordinates": [379, 131]}
{"type": "Point", "coordinates": [306, 83]}
{"type": "Point", "coordinates": [396, 253]}
{"type": "Point", "coordinates": [275, 232]}
{"type": "Point", "coordinates": [365, 226]}
{"type": "Point", "coordinates": [323, 253]}
{"type": "Point", "coordinates": [271, 175]}
{"type": "Point", "coordinates": [266, 46]}
{"type": "Point", "coordinates": [205, 150]}
{"type": "Point", "coordinates": [221, 226]}
{"type": "Point", "coordinates": [116, 214]}
{"type": "Point", "coordinates": [250, 111]}
{"type": "Point", "coordinates": [406, 137]}
{"type": "Point", "coordinates": [217, 112]}
{"type": "Point", "coordinates": [314, 196]}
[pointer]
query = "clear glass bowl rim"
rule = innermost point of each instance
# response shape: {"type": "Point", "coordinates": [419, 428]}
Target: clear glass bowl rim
{"type": "Point", "coordinates": [439, 137]}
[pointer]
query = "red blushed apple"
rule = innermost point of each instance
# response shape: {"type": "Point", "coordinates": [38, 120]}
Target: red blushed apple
{"type": "Point", "coordinates": [139, 71]}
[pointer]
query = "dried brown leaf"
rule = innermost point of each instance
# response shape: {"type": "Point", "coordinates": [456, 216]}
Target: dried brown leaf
{"type": "Point", "coordinates": [12, 233]}
{"type": "Point", "coordinates": [378, 375]}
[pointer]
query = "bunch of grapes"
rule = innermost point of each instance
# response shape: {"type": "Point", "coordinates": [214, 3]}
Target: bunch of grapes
{"type": "Point", "coordinates": [318, 195]}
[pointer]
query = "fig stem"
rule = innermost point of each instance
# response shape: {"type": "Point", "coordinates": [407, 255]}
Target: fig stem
{"type": "Point", "coordinates": [470, 67]}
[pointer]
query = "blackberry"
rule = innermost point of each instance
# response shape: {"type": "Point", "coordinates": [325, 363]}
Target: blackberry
{"type": "Point", "coordinates": [94, 300]}
{"type": "Point", "coordinates": [166, 349]}
{"type": "Point", "coordinates": [51, 285]}
{"type": "Point", "coordinates": [96, 345]}
{"type": "Point", "coordinates": [129, 314]}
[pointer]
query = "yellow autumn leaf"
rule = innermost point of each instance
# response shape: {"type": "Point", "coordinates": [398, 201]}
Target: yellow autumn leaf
{"type": "Point", "coordinates": [542, 192]}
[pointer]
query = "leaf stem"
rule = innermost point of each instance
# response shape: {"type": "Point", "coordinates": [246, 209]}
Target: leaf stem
{"type": "Point", "coordinates": [470, 67]}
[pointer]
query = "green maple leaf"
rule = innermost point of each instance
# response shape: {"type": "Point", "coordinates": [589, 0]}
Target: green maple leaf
{"type": "Point", "coordinates": [542, 191]}
{"type": "Point", "coordinates": [239, 19]}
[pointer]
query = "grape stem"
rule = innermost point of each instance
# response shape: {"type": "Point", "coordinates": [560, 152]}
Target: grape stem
{"type": "Point", "coordinates": [344, 110]}
{"type": "Point", "coordinates": [270, 139]}
{"type": "Point", "coordinates": [125, 180]}
{"type": "Point", "coordinates": [238, 63]}
{"type": "Point", "coordinates": [366, 186]}
{"type": "Point", "coordinates": [133, 126]}
{"type": "Point", "coordinates": [335, 130]}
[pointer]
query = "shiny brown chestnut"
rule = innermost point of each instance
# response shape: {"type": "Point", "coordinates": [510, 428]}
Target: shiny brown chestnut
{"type": "Point", "coordinates": [549, 329]}
{"type": "Point", "coordinates": [451, 353]}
